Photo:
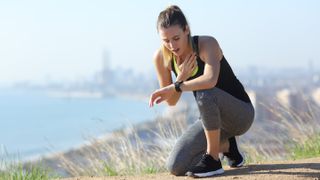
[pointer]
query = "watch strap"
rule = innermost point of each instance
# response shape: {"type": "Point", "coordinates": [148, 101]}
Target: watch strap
{"type": "Point", "coordinates": [177, 85]}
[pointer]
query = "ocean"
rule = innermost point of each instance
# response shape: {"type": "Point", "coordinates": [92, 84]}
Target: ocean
{"type": "Point", "coordinates": [32, 123]}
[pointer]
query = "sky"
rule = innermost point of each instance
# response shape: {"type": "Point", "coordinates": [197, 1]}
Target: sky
{"type": "Point", "coordinates": [67, 40]}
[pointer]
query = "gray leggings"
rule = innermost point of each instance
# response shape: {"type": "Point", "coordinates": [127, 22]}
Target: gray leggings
{"type": "Point", "coordinates": [218, 110]}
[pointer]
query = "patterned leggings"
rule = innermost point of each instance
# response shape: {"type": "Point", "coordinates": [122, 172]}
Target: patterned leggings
{"type": "Point", "coordinates": [218, 110]}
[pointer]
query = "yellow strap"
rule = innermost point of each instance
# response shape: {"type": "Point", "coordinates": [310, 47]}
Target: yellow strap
{"type": "Point", "coordinates": [194, 71]}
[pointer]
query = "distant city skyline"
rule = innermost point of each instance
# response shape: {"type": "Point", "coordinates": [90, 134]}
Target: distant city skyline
{"type": "Point", "coordinates": [68, 40]}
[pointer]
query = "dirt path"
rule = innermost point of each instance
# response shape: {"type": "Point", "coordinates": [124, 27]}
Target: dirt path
{"type": "Point", "coordinates": [286, 170]}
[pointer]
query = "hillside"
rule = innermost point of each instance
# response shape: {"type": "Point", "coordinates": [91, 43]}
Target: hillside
{"type": "Point", "coordinates": [277, 170]}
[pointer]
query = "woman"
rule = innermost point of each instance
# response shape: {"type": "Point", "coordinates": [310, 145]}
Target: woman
{"type": "Point", "coordinates": [225, 108]}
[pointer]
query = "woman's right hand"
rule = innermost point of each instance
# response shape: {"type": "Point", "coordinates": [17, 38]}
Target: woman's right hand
{"type": "Point", "coordinates": [187, 67]}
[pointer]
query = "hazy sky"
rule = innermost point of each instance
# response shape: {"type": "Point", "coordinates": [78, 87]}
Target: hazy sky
{"type": "Point", "coordinates": [65, 39]}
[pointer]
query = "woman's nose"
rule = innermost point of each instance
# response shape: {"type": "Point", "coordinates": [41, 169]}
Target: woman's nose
{"type": "Point", "coordinates": [172, 45]}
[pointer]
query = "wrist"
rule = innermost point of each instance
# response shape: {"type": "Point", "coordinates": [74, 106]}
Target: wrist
{"type": "Point", "coordinates": [177, 86]}
{"type": "Point", "coordinates": [180, 78]}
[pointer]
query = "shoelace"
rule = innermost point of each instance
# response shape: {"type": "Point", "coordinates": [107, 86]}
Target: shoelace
{"type": "Point", "coordinates": [204, 158]}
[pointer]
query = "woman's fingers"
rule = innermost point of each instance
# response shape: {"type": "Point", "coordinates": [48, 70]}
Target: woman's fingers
{"type": "Point", "coordinates": [159, 100]}
{"type": "Point", "coordinates": [188, 64]}
{"type": "Point", "coordinates": [150, 101]}
{"type": "Point", "coordinates": [154, 96]}
{"type": "Point", "coordinates": [190, 58]}
{"type": "Point", "coordinates": [192, 61]}
{"type": "Point", "coordinates": [194, 64]}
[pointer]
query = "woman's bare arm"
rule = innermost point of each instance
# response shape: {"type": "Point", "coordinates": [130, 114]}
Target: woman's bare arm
{"type": "Point", "coordinates": [211, 54]}
{"type": "Point", "coordinates": [164, 77]}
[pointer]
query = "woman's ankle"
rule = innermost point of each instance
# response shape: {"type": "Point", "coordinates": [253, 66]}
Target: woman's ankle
{"type": "Point", "coordinates": [214, 155]}
{"type": "Point", "coordinates": [224, 147]}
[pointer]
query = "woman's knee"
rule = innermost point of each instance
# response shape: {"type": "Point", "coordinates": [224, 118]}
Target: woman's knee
{"type": "Point", "coordinates": [175, 167]}
{"type": "Point", "coordinates": [186, 148]}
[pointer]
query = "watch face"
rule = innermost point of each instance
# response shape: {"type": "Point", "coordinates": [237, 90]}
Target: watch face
{"type": "Point", "coordinates": [177, 85]}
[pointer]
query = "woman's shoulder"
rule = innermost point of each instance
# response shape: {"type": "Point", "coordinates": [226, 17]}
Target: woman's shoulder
{"type": "Point", "coordinates": [209, 45]}
{"type": "Point", "coordinates": [207, 40]}
{"type": "Point", "coordinates": [157, 55]}
{"type": "Point", "coordinates": [159, 60]}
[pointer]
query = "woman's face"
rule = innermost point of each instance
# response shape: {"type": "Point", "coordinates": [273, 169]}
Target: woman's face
{"type": "Point", "coordinates": [175, 39]}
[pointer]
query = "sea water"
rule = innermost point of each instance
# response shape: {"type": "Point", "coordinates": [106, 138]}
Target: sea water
{"type": "Point", "coordinates": [33, 123]}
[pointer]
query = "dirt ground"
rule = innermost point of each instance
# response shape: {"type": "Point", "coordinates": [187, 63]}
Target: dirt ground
{"type": "Point", "coordinates": [285, 170]}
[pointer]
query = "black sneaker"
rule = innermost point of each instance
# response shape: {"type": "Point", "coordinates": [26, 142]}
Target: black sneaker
{"type": "Point", "coordinates": [206, 167]}
{"type": "Point", "coordinates": [234, 157]}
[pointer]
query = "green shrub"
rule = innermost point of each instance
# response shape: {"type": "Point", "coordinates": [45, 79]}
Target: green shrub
{"type": "Point", "coordinates": [17, 172]}
{"type": "Point", "coordinates": [307, 149]}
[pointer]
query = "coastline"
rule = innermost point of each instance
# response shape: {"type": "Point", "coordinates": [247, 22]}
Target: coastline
{"type": "Point", "coordinates": [78, 115]}
{"type": "Point", "coordinates": [157, 136]}
{"type": "Point", "coordinates": [93, 148]}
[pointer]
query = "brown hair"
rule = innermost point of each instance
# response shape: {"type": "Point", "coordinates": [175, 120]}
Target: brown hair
{"type": "Point", "coordinates": [172, 15]}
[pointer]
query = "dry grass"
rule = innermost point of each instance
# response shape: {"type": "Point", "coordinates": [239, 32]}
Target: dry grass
{"type": "Point", "coordinates": [140, 149]}
{"type": "Point", "coordinates": [276, 138]}
{"type": "Point", "coordinates": [143, 149]}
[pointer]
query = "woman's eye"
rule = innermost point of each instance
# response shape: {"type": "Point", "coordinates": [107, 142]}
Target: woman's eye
{"type": "Point", "coordinates": [176, 39]}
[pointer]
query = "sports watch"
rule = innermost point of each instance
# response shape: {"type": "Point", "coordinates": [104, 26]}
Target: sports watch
{"type": "Point", "coordinates": [177, 85]}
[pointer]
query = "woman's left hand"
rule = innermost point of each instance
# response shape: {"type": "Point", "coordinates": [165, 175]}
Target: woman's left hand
{"type": "Point", "coordinates": [161, 95]}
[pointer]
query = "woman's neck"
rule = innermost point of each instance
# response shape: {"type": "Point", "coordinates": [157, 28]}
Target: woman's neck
{"type": "Point", "coordinates": [183, 56]}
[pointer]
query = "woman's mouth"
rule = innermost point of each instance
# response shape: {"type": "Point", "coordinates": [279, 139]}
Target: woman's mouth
{"type": "Point", "coordinates": [175, 50]}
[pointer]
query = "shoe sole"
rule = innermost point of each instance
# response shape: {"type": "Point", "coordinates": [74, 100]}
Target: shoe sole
{"type": "Point", "coordinates": [207, 174]}
{"type": "Point", "coordinates": [238, 165]}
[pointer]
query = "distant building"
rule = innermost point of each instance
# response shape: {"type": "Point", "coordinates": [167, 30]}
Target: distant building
{"type": "Point", "coordinates": [294, 103]}
{"type": "Point", "coordinates": [262, 102]}
{"type": "Point", "coordinates": [315, 94]}
{"type": "Point", "coordinates": [283, 97]}
{"type": "Point", "coordinates": [106, 74]}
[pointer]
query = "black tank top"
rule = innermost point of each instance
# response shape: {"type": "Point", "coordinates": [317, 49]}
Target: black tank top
{"type": "Point", "coordinates": [227, 81]}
